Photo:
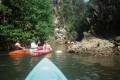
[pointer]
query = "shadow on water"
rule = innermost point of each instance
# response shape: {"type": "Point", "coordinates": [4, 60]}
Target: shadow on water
{"type": "Point", "coordinates": [17, 67]}
{"type": "Point", "coordinates": [88, 68]}
{"type": "Point", "coordinates": [100, 68]}
{"type": "Point", "coordinates": [73, 66]}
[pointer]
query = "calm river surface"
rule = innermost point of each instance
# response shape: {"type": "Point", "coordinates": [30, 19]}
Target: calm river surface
{"type": "Point", "coordinates": [73, 66]}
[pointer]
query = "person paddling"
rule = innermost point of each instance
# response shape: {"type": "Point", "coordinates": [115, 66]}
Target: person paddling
{"type": "Point", "coordinates": [47, 46]}
{"type": "Point", "coordinates": [18, 46]}
{"type": "Point", "coordinates": [43, 48]}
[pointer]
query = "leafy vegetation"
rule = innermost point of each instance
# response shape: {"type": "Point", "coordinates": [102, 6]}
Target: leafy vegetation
{"type": "Point", "coordinates": [104, 18]}
{"type": "Point", "coordinates": [26, 19]}
{"type": "Point", "coordinates": [100, 18]}
{"type": "Point", "coordinates": [32, 19]}
{"type": "Point", "coordinates": [74, 13]}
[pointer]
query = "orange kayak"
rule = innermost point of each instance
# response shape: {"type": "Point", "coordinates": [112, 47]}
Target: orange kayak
{"type": "Point", "coordinates": [19, 52]}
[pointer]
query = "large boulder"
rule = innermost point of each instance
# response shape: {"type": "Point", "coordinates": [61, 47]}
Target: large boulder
{"type": "Point", "coordinates": [92, 46]}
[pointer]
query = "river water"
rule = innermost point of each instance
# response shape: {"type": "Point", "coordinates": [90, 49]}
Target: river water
{"type": "Point", "coordinates": [74, 67]}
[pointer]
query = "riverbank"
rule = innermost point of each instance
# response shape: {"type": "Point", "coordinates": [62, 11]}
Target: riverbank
{"type": "Point", "coordinates": [94, 46]}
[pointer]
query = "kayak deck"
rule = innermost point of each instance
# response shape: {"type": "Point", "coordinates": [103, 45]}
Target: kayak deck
{"type": "Point", "coordinates": [45, 70]}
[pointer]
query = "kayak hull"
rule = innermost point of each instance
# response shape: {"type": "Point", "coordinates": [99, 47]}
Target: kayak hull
{"type": "Point", "coordinates": [19, 52]}
{"type": "Point", "coordinates": [45, 70]}
{"type": "Point", "coordinates": [40, 52]}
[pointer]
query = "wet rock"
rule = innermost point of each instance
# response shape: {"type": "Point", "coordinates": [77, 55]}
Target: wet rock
{"type": "Point", "coordinates": [93, 46]}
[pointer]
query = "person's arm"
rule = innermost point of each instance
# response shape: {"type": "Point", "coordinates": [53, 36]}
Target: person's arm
{"type": "Point", "coordinates": [19, 45]}
{"type": "Point", "coordinates": [50, 48]}
{"type": "Point", "coordinates": [47, 47]}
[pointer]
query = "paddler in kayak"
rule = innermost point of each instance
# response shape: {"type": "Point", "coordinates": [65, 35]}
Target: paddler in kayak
{"type": "Point", "coordinates": [18, 46]}
{"type": "Point", "coordinates": [43, 48]}
{"type": "Point", "coordinates": [47, 46]}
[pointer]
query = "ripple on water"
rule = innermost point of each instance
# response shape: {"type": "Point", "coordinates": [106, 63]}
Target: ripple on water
{"type": "Point", "coordinates": [73, 66]}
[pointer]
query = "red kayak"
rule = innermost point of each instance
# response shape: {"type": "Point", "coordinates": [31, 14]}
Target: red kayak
{"type": "Point", "coordinates": [40, 52]}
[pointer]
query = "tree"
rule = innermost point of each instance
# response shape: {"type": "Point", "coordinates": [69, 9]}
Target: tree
{"type": "Point", "coordinates": [104, 18]}
{"type": "Point", "coordinates": [74, 13]}
{"type": "Point", "coordinates": [26, 19]}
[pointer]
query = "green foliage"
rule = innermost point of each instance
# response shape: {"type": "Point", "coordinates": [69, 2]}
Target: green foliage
{"type": "Point", "coordinates": [3, 8]}
{"type": "Point", "coordinates": [104, 17]}
{"type": "Point", "coordinates": [101, 17]}
{"type": "Point", "coordinates": [14, 33]}
{"type": "Point", "coordinates": [74, 13]}
{"type": "Point", "coordinates": [26, 19]}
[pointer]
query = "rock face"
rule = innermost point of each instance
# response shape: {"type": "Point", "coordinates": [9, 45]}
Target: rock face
{"type": "Point", "coordinates": [59, 30]}
{"type": "Point", "coordinates": [60, 33]}
{"type": "Point", "coordinates": [93, 46]}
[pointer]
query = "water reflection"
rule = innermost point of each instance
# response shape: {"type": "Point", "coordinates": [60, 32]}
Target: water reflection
{"type": "Point", "coordinates": [34, 61]}
{"type": "Point", "coordinates": [87, 67]}
{"type": "Point", "coordinates": [103, 61]}
{"type": "Point", "coordinates": [73, 66]}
